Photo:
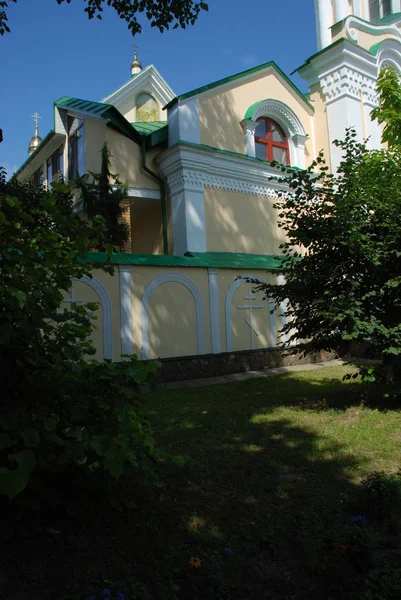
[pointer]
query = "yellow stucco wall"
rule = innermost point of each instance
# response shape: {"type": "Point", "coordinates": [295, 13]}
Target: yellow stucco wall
{"type": "Point", "coordinates": [95, 136]}
{"type": "Point", "coordinates": [126, 161]}
{"type": "Point", "coordinates": [172, 314]}
{"type": "Point", "coordinates": [238, 222]}
{"type": "Point", "coordinates": [171, 319]}
{"type": "Point", "coordinates": [220, 113]}
{"type": "Point", "coordinates": [147, 232]}
{"type": "Point", "coordinates": [241, 332]}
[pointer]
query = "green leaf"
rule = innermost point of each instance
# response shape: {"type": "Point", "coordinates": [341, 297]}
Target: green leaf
{"type": "Point", "coordinates": [30, 436]}
{"type": "Point", "coordinates": [14, 481]}
{"type": "Point", "coordinates": [5, 332]}
{"type": "Point", "coordinates": [21, 297]}
{"type": "Point", "coordinates": [114, 464]}
{"type": "Point", "coordinates": [52, 422]}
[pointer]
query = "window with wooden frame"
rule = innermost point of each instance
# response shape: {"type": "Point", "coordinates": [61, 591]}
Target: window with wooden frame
{"type": "Point", "coordinates": [271, 143]}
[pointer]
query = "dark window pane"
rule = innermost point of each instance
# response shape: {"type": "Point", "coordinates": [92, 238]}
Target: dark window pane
{"type": "Point", "coordinates": [374, 10]}
{"type": "Point", "coordinates": [61, 161]}
{"type": "Point", "coordinates": [260, 150]}
{"type": "Point", "coordinates": [260, 130]}
{"type": "Point", "coordinates": [387, 9]}
{"type": "Point", "coordinates": [49, 174]}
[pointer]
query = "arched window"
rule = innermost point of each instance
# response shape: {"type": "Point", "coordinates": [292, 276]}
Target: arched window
{"type": "Point", "coordinates": [271, 143]}
{"type": "Point", "coordinates": [146, 107]}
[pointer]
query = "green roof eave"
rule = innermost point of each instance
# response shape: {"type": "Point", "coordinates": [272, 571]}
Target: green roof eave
{"type": "Point", "coordinates": [333, 45]}
{"type": "Point", "coordinates": [220, 260]}
{"type": "Point", "coordinates": [155, 132]}
{"type": "Point", "coordinates": [237, 76]}
{"type": "Point", "coordinates": [108, 112]}
{"type": "Point", "coordinates": [30, 158]}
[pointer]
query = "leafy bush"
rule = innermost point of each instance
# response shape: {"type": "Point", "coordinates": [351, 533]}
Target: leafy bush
{"type": "Point", "coordinates": [64, 422]}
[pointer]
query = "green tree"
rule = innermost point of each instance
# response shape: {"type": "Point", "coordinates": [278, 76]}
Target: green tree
{"type": "Point", "coordinates": [64, 421]}
{"type": "Point", "coordinates": [162, 14]}
{"type": "Point", "coordinates": [342, 261]}
{"type": "Point", "coordinates": [104, 197]}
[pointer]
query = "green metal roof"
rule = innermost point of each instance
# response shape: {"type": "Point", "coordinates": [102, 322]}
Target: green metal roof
{"type": "Point", "coordinates": [240, 75]}
{"type": "Point", "coordinates": [100, 109]}
{"type": "Point", "coordinates": [155, 131]}
{"type": "Point", "coordinates": [148, 127]}
{"type": "Point", "coordinates": [221, 260]}
{"type": "Point", "coordinates": [46, 139]}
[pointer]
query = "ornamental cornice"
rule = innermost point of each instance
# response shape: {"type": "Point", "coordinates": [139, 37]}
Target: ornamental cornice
{"type": "Point", "coordinates": [346, 81]}
{"type": "Point", "coordinates": [187, 168]}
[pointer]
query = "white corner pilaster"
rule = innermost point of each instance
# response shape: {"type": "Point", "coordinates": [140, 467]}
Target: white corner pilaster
{"type": "Point", "coordinates": [188, 220]}
{"type": "Point", "coordinates": [183, 122]}
{"type": "Point", "coordinates": [127, 344]}
{"type": "Point", "coordinates": [324, 20]}
{"type": "Point", "coordinates": [249, 128]}
{"type": "Point", "coordinates": [341, 10]}
{"type": "Point", "coordinates": [214, 309]}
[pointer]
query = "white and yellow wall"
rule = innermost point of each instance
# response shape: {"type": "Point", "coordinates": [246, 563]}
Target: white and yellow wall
{"type": "Point", "coordinates": [165, 311]}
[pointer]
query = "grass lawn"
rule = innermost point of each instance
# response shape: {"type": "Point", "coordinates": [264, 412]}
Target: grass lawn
{"type": "Point", "coordinates": [269, 466]}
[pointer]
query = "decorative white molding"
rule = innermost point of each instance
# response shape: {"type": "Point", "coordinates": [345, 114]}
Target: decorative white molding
{"type": "Point", "coordinates": [228, 310]}
{"type": "Point", "coordinates": [149, 79]}
{"type": "Point", "coordinates": [389, 55]}
{"type": "Point", "coordinates": [353, 24]}
{"type": "Point", "coordinates": [249, 127]}
{"type": "Point", "coordinates": [127, 343]}
{"type": "Point", "coordinates": [281, 113]}
{"type": "Point", "coordinates": [194, 168]}
{"type": "Point", "coordinates": [107, 314]}
{"type": "Point", "coordinates": [214, 309]}
{"type": "Point", "coordinates": [153, 285]}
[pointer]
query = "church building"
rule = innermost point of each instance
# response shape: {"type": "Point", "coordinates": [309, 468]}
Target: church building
{"type": "Point", "coordinates": [201, 186]}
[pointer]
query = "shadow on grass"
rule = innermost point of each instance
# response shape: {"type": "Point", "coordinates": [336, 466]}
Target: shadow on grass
{"type": "Point", "coordinates": [262, 477]}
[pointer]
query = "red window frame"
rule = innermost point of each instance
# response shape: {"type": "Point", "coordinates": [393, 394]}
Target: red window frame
{"type": "Point", "coordinates": [270, 143]}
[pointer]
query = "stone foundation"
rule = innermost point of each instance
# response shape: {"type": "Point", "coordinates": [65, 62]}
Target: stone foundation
{"type": "Point", "coordinates": [227, 363]}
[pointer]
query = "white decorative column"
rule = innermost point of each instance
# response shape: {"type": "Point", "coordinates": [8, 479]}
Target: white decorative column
{"type": "Point", "coordinates": [324, 20]}
{"type": "Point", "coordinates": [214, 309]}
{"type": "Point", "coordinates": [126, 309]}
{"type": "Point", "coordinates": [341, 10]}
{"type": "Point", "coordinates": [249, 128]}
{"type": "Point", "coordinates": [299, 145]}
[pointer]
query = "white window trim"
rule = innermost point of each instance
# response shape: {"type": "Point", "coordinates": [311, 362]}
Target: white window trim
{"type": "Point", "coordinates": [287, 119]}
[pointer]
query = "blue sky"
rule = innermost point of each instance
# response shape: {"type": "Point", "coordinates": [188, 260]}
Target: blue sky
{"type": "Point", "coordinates": [54, 50]}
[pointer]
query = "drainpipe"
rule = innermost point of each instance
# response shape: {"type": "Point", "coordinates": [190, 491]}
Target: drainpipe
{"type": "Point", "coordinates": [162, 195]}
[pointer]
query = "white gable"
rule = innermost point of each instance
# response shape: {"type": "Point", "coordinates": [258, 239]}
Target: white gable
{"type": "Point", "coordinates": [149, 80]}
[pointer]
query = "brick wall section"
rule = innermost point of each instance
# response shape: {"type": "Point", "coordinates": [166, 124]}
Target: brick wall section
{"type": "Point", "coordinates": [126, 218]}
{"type": "Point", "coordinates": [227, 363]}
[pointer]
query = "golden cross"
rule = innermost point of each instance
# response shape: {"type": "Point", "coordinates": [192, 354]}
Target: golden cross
{"type": "Point", "coordinates": [36, 118]}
